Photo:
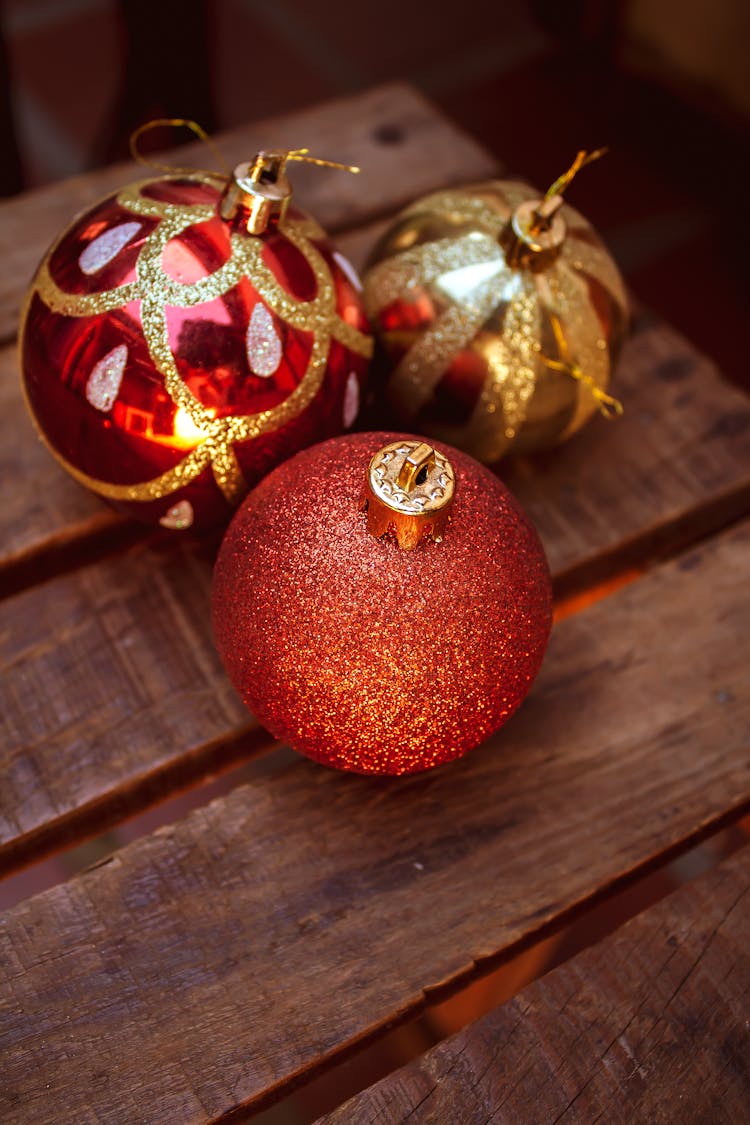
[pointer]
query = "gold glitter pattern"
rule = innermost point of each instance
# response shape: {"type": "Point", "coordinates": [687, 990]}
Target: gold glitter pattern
{"type": "Point", "coordinates": [424, 365]}
{"type": "Point", "coordinates": [501, 319]}
{"type": "Point", "coordinates": [392, 279]}
{"type": "Point", "coordinates": [156, 291]}
{"type": "Point", "coordinates": [580, 323]}
{"type": "Point", "coordinates": [512, 359]}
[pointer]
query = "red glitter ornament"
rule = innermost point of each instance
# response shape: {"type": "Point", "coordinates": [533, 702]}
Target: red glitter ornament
{"type": "Point", "coordinates": [187, 334]}
{"type": "Point", "coordinates": [362, 654]}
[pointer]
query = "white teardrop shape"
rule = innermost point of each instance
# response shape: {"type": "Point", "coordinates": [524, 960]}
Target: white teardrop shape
{"type": "Point", "coordinates": [179, 517]}
{"type": "Point", "coordinates": [101, 250]}
{"type": "Point", "coordinates": [351, 400]}
{"type": "Point", "coordinates": [348, 269]}
{"type": "Point", "coordinates": [103, 384]}
{"type": "Point", "coordinates": [263, 343]}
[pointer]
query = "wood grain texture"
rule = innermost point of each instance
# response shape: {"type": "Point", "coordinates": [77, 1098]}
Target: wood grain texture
{"type": "Point", "coordinates": [675, 467]}
{"type": "Point", "coordinates": [113, 696]}
{"type": "Point", "coordinates": [651, 1025]}
{"type": "Point", "coordinates": [207, 967]}
{"type": "Point", "coordinates": [402, 143]}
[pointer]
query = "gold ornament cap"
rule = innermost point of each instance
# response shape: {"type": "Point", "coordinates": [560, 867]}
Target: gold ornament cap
{"type": "Point", "coordinates": [409, 489]}
{"type": "Point", "coordinates": [535, 233]}
{"type": "Point", "coordinates": [258, 192]}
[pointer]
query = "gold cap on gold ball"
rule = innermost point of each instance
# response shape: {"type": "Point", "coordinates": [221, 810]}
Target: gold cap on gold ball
{"type": "Point", "coordinates": [535, 234]}
{"type": "Point", "coordinates": [409, 489]}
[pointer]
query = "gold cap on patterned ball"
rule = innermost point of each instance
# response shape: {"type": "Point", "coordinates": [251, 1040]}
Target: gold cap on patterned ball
{"type": "Point", "coordinates": [258, 190]}
{"type": "Point", "coordinates": [409, 489]}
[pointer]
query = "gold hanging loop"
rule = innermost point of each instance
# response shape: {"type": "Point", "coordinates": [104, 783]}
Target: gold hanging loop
{"type": "Point", "coordinates": [302, 155]}
{"type": "Point", "coordinates": [609, 407]}
{"type": "Point", "coordinates": [582, 159]}
{"type": "Point", "coordinates": [544, 211]}
{"type": "Point", "coordinates": [174, 123]}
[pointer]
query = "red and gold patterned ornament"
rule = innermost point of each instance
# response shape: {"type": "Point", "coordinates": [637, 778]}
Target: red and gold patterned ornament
{"type": "Point", "coordinates": [387, 640]}
{"type": "Point", "coordinates": [501, 316]}
{"type": "Point", "coordinates": [188, 333]}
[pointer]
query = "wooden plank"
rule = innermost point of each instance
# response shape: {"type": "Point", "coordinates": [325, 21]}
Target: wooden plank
{"type": "Point", "coordinates": [210, 965]}
{"type": "Point", "coordinates": [403, 144]}
{"type": "Point", "coordinates": [649, 1025]}
{"type": "Point", "coordinates": [113, 696]}
{"type": "Point", "coordinates": [677, 466]}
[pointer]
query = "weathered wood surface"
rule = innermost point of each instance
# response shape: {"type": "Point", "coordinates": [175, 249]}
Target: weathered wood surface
{"type": "Point", "coordinates": [206, 967]}
{"type": "Point", "coordinates": [651, 1025]}
{"type": "Point", "coordinates": [675, 467]}
{"type": "Point", "coordinates": [113, 697]}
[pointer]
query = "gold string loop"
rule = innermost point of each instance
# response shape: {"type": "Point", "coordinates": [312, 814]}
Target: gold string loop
{"type": "Point", "coordinates": [302, 155]}
{"type": "Point", "coordinates": [582, 159]}
{"type": "Point", "coordinates": [174, 123]}
{"type": "Point", "coordinates": [609, 407]}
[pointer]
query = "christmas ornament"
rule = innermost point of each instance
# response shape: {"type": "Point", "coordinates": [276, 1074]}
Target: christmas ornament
{"type": "Point", "coordinates": [188, 333]}
{"type": "Point", "coordinates": [501, 316]}
{"type": "Point", "coordinates": [381, 604]}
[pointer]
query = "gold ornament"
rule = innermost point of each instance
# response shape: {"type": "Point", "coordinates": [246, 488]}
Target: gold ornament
{"type": "Point", "coordinates": [501, 316]}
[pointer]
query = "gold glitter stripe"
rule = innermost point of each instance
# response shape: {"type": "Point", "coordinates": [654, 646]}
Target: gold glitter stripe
{"type": "Point", "coordinates": [307, 227]}
{"type": "Point", "coordinates": [464, 208]}
{"type": "Point", "coordinates": [81, 304]}
{"type": "Point", "coordinates": [130, 199]}
{"type": "Point", "coordinates": [392, 279]}
{"type": "Point", "coordinates": [156, 333]}
{"type": "Point", "coordinates": [579, 252]}
{"type": "Point", "coordinates": [227, 471]}
{"type": "Point", "coordinates": [187, 470]}
{"type": "Point", "coordinates": [155, 291]}
{"type": "Point", "coordinates": [352, 338]}
{"type": "Point", "coordinates": [180, 295]}
{"type": "Point", "coordinates": [512, 358]}
{"type": "Point", "coordinates": [579, 322]}
{"type": "Point", "coordinates": [243, 427]}
{"type": "Point", "coordinates": [424, 365]}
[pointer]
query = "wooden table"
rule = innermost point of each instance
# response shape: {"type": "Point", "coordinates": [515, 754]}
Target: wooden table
{"type": "Point", "coordinates": [202, 971]}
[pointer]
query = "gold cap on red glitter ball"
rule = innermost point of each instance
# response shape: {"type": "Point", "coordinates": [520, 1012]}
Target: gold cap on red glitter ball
{"type": "Point", "coordinates": [409, 489]}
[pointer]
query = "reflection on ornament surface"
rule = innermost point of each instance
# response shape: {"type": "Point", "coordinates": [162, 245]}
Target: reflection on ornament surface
{"type": "Point", "coordinates": [472, 333]}
{"type": "Point", "coordinates": [168, 355]}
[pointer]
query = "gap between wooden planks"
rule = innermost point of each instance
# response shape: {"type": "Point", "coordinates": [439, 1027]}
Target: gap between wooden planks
{"type": "Point", "coordinates": [227, 956]}
{"type": "Point", "coordinates": [648, 1025]}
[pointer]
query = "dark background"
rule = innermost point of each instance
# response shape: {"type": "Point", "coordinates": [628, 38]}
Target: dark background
{"type": "Point", "coordinates": [663, 83]}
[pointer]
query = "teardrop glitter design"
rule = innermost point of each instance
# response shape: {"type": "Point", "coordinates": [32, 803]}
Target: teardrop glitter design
{"type": "Point", "coordinates": [103, 383]}
{"type": "Point", "coordinates": [179, 517]}
{"type": "Point", "coordinates": [263, 343]}
{"type": "Point", "coordinates": [351, 401]}
{"type": "Point", "coordinates": [101, 251]}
